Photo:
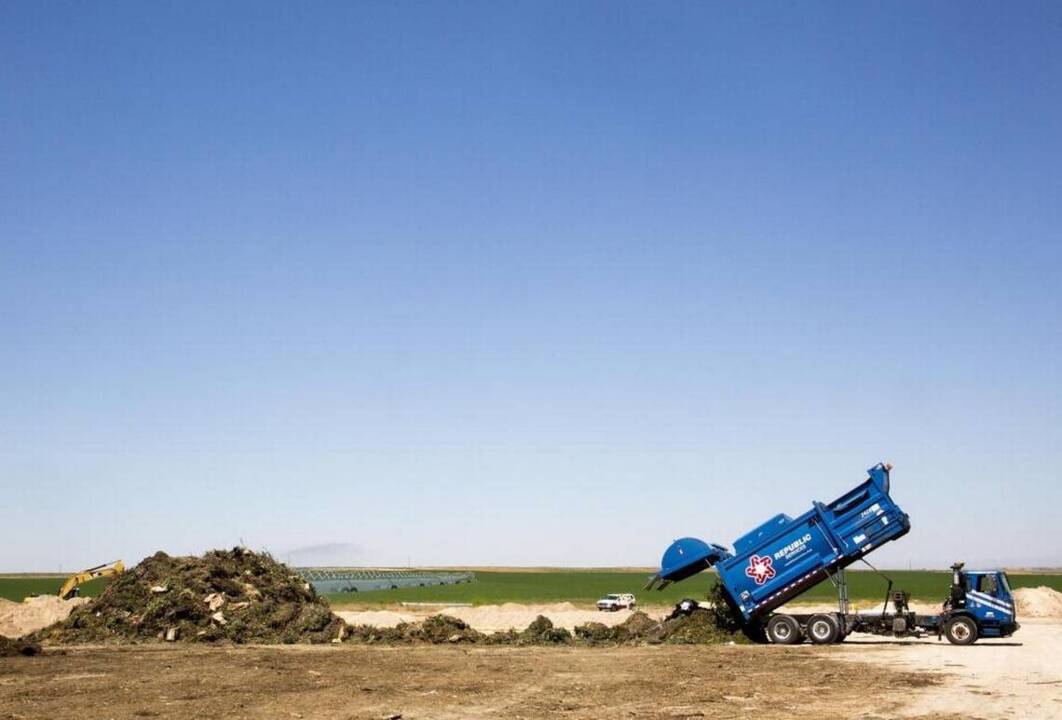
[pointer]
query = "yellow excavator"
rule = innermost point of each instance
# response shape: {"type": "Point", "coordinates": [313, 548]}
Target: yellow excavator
{"type": "Point", "coordinates": [70, 587]}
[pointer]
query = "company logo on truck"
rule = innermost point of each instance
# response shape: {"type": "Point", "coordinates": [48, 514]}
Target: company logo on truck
{"type": "Point", "coordinates": [760, 568]}
{"type": "Point", "coordinates": [793, 548]}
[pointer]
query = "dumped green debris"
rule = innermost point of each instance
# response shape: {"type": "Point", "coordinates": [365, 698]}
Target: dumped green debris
{"type": "Point", "coordinates": [702, 625]}
{"type": "Point", "coordinates": [727, 616]}
{"type": "Point", "coordinates": [542, 632]}
{"type": "Point", "coordinates": [14, 648]}
{"type": "Point", "coordinates": [699, 626]}
{"type": "Point", "coordinates": [634, 628]}
{"type": "Point", "coordinates": [436, 629]}
{"type": "Point", "coordinates": [244, 597]}
{"type": "Point", "coordinates": [443, 628]}
{"type": "Point", "coordinates": [236, 595]}
{"type": "Point", "coordinates": [594, 632]}
{"type": "Point", "coordinates": [506, 637]}
{"type": "Point", "coordinates": [440, 629]}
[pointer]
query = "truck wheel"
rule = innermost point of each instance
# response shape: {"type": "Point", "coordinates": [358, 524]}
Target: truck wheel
{"type": "Point", "coordinates": [783, 630]}
{"type": "Point", "coordinates": [961, 630]}
{"type": "Point", "coordinates": [823, 629]}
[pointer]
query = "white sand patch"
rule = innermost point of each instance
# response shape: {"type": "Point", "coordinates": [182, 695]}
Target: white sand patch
{"type": "Point", "coordinates": [18, 619]}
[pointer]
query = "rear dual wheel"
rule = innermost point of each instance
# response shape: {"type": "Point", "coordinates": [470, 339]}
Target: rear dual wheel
{"type": "Point", "coordinates": [823, 629]}
{"type": "Point", "coordinates": [783, 630]}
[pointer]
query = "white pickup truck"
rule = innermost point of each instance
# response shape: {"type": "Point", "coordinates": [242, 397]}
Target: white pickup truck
{"type": "Point", "coordinates": [616, 601]}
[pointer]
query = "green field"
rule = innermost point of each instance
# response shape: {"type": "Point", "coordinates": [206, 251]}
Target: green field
{"type": "Point", "coordinates": [581, 587]}
{"type": "Point", "coordinates": [587, 586]}
{"type": "Point", "coordinates": [16, 587]}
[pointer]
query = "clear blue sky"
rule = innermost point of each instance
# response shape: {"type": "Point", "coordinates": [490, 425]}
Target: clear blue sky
{"type": "Point", "coordinates": [525, 283]}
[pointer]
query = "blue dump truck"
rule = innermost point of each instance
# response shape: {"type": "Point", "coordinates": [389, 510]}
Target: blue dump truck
{"type": "Point", "coordinates": [784, 557]}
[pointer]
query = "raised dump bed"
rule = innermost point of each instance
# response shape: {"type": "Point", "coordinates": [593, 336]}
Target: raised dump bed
{"type": "Point", "coordinates": [784, 556]}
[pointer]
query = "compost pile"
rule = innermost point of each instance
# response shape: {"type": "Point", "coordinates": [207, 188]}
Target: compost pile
{"type": "Point", "coordinates": [226, 595]}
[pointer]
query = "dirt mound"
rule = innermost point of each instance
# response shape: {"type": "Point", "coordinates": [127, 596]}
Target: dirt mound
{"type": "Point", "coordinates": [1038, 602]}
{"type": "Point", "coordinates": [18, 619]}
{"type": "Point", "coordinates": [235, 595]}
{"type": "Point", "coordinates": [14, 648]}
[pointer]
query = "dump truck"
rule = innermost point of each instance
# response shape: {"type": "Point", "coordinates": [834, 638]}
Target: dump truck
{"type": "Point", "coordinates": [784, 557]}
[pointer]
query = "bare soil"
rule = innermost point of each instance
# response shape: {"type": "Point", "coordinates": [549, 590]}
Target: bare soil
{"type": "Point", "coordinates": [347, 682]}
{"type": "Point", "coordinates": [1015, 677]}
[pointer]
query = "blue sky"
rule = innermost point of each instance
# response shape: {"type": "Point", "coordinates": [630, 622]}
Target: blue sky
{"type": "Point", "coordinates": [525, 283]}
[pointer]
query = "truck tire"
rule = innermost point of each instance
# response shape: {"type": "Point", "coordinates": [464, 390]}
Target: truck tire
{"type": "Point", "coordinates": [783, 630]}
{"type": "Point", "coordinates": [823, 629]}
{"type": "Point", "coordinates": [961, 630]}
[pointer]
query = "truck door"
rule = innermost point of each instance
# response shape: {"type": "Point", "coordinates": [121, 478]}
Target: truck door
{"type": "Point", "coordinates": [985, 595]}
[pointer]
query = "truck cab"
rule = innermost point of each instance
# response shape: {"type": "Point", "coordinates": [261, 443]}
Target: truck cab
{"type": "Point", "coordinates": [985, 597]}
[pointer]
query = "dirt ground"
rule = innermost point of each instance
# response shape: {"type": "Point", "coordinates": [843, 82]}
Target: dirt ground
{"type": "Point", "coordinates": [866, 677]}
{"type": "Point", "coordinates": [1020, 676]}
{"type": "Point", "coordinates": [448, 683]}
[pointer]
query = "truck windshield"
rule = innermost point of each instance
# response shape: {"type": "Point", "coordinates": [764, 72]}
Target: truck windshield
{"type": "Point", "coordinates": [1006, 582]}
